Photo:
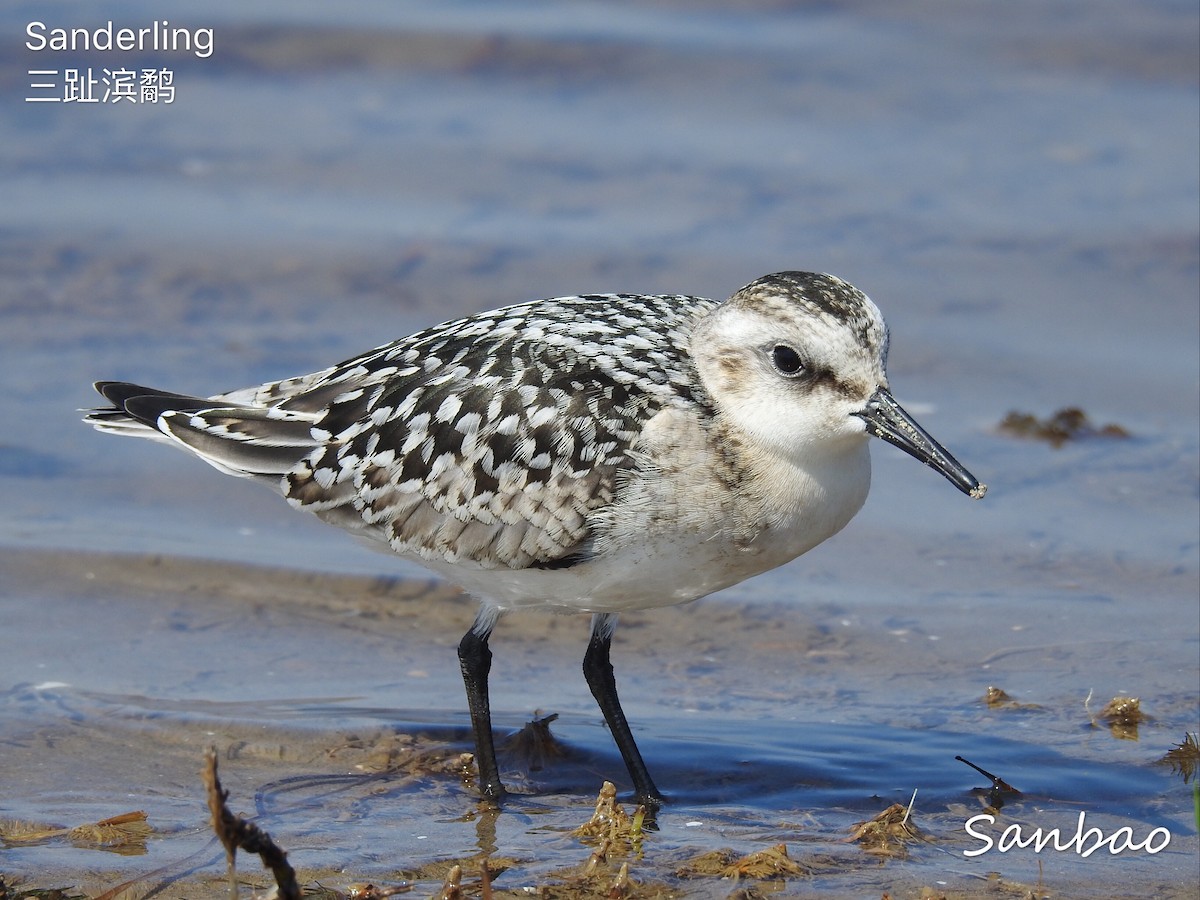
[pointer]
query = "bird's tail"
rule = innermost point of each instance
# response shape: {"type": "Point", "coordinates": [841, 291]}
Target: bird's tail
{"type": "Point", "coordinates": [243, 440]}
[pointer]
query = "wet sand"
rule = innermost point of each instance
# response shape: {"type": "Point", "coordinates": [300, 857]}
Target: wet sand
{"type": "Point", "coordinates": [334, 706]}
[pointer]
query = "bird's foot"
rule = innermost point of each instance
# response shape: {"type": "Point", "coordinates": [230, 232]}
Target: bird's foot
{"type": "Point", "coordinates": [492, 796]}
{"type": "Point", "coordinates": [650, 804]}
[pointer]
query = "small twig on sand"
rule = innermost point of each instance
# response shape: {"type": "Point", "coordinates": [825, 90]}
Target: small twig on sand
{"type": "Point", "coordinates": [234, 832]}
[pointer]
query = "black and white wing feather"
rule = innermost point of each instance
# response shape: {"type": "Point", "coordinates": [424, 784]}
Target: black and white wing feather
{"type": "Point", "coordinates": [489, 439]}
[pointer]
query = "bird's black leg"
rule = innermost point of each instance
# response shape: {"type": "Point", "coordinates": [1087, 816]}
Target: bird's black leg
{"type": "Point", "coordinates": [476, 661]}
{"type": "Point", "coordinates": [599, 674]}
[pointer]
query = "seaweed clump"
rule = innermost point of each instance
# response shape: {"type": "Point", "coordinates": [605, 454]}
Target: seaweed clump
{"type": "Point", "coordinates": [1068, 424]}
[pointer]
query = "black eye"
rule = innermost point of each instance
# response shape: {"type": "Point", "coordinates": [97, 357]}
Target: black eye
{"type": "Point", "coordinates": [786, 360]}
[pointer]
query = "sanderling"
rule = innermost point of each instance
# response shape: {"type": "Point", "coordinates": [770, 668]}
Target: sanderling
{"type": "Point", "coordinates": [596, 454]}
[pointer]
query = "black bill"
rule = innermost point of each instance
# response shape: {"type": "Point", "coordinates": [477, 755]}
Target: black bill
{"type": "Point", "coordinates": [887, 419]}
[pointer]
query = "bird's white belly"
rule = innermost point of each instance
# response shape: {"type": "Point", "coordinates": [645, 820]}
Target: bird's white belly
{"type": "Point", "coordinates": [660, 572]}
{"type": "Point", "coordinates": [673, 560]}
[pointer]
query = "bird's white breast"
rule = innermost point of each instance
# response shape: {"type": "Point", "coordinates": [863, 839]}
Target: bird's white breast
{"type": "Point", "coordinates": [679, 530]}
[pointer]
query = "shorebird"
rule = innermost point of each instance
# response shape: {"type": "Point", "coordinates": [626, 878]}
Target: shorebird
{"type": "Point", "coordinates": [596, 453]}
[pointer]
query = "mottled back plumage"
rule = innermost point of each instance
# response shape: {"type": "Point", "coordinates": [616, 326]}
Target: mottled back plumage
{"type": "Point", "coordinates": [488, 438]}
{"type": "Point", "coordinates": [491, 438]}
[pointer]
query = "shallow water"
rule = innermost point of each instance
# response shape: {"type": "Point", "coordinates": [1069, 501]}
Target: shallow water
{"type": "Point", "coordinates": [1019, 195]}
{"type": "Point", "coordinates": [793, 730]}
